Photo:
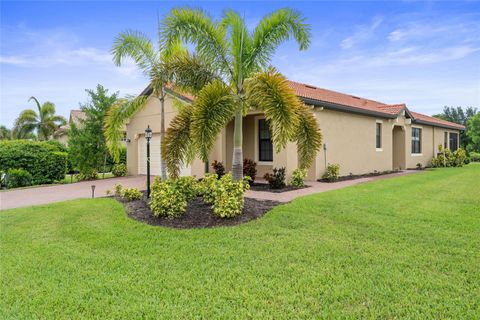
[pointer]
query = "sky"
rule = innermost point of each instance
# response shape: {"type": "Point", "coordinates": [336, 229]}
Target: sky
{"type": "Point", "coordinates": [424, 54]}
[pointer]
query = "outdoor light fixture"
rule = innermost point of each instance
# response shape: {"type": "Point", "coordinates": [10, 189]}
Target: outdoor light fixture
{"type": "Point", "coordinates": [93, 191]}
{"type": "Point", "coordinates": [148, 136]}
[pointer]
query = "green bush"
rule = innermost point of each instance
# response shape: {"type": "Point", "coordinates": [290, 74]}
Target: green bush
{"type": "Point", "coordinates": [207, 186]}
{"type": "Point", "coordinates": [119, 170]}
{"type": "Point", "coordinates": [88, 175]}
{"type": "Point", "coordinates": [229, 196]}
{"type": "Point", "coordinates": [250, 169]}
{"type": "Point", "coordinates": [18, 178]}
{"type": "Point", "coordinates": [130, 194]}
{"type": "Point", "coordinates": [298, 177]}
{"type": "Point", "coordinates": [447, 158]}
{"type": "Point", "coordinates": [167, 198]}
{"type": "Point", "coordinates": [474, 156]}
{"type": "Point", "coordinates": [188, 185]}
{"type": "Point", "coordinates": [219, 168]}
{"type": "Point", "coordinates": [118, 189]}
{"type": "Point", "coordinates": [42, 159]}
{"type": "Point", "coordinates": [277, 179]}
{"type": "Point", "coordinates": [332, 173]}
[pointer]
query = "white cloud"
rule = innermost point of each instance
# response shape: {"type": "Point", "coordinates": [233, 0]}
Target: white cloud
{"type": "Point", "coordinates": [362, 33]}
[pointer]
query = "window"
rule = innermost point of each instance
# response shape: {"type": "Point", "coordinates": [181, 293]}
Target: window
{"type": "Point", "coordinates": [453, 141]}
{"type": "Point", "coordinates": [265, 147]}
{"type": "Point", "coordinates": [445, 140]}
{"type": "Point", "coordinates": [416, 140]}
{"type": "Point", "coordinates": [378, 142]}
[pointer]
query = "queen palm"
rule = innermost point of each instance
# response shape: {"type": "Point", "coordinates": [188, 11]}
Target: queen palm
{"type": "Point", "coordinates": [44, 121]}
{"type": "Point", "coordinates": [245, 81]}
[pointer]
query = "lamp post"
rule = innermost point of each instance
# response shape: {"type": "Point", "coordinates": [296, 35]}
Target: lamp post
{"type": "Point", "coordinates": [148, 136]}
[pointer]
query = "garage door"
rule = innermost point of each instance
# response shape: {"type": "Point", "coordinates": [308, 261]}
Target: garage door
{"type": "Point", "coordinates": [154, 157]}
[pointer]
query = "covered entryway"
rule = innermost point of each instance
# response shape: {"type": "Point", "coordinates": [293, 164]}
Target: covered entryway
{"type": "Point", "coordinates": [399, 159]}
{"type": "Point", "coordinates": [154, 157]}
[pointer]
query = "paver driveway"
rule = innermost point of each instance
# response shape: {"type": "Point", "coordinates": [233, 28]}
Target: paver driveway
{"type": "Point", "coordinates": [48, 194]}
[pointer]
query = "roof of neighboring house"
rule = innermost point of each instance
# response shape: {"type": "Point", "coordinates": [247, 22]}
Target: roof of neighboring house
{"type": "Point", "coordinates": [346, 102]}
{"type": "Point", "coordinates": [76, 117]}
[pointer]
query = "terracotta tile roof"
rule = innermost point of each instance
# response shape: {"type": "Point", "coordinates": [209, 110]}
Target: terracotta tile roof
{"type": "Point", "coordinates": [425, 118]}
{"type": "Point", "coordinates": [76, 116]}
{"type": "Point", "coordinates": [329, 96]}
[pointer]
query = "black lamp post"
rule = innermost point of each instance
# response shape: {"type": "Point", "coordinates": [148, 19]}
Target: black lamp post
{"type": "Point", "coordinates": [148, 136]}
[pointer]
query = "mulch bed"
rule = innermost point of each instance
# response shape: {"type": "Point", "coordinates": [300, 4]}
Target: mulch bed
{"type": "Point", "coordinates": [359, 176]}
{"type": "Point", "coordinates": [198, 214]}
{"type": "Point", "coordinates": [265, 187]}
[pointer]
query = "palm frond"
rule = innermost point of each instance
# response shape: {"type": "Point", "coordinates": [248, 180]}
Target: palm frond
{"type": "Point", "coordinates": [274, 29]}
{"type": "Point", "coordinates": [190, 73]}
{"type": "Point", "coordinates": [308, 137]}
{"type": "Point", "coordinates": [39, 107]}
{"type": "Point", "coordinates": [194, 26]}
{"type": "Point", "coordinates": [135, 45]}
{"type": "Point", "coordinates": [116, 117]}
{"type": "Point", "coordinates": [240, 43]}
{"type": "Point", "coordinates": [269, 92]}
{"type": "Point", "coordinates": [177, 147]}
{"type": "Point", "coordinates": [213, 108]}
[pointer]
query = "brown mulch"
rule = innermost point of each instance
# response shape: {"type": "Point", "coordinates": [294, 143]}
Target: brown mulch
{"type": "Point", "coordinates": [359, 176]}
{"type": "Point", "coordinates": [265, 187]}
{"type": "Point", "coordinates": [198, 214]}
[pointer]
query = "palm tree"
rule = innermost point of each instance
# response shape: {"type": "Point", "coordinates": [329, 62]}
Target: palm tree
{"type": "Point", "coordinates": [44, 121]}
{"type": "Point", "coordinates": [152, 63]}
{"type": "Point", "coordinates": [244, 82]}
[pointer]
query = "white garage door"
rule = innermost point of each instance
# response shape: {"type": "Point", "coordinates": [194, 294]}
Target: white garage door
{"type": "Point", "coordinates": [154, 157]}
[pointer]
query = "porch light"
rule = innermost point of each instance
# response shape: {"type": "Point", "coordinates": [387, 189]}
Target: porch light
{"type": "Point", "coordinates": [148, 136]}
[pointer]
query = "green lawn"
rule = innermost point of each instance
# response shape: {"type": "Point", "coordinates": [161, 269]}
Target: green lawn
{"type": "Point", "coordinates": [406, 247]}
{"type": "Point", "coordinates": [71, 178]}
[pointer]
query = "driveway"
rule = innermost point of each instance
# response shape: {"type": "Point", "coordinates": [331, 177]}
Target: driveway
{"type": "Point", "coordinates": [48, 194]}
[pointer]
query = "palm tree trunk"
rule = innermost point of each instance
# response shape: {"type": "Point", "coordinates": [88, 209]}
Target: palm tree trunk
{"type": "Point", "coordinates": [237, 159]}
{"type": "Point", "coordinates": [163, 170]}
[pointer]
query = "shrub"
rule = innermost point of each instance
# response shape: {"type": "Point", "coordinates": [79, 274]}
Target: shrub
{"type": "Point", "coordinates": [298, 177]}
{"type": "Point", "coordinates": [108, 192]}
{"type": "Point", "coordinates": [43, 160]}
{"type": "Point", "coordinates": [119, 170]}
{"type": "Point", "coordinates": [332, 173]}
{"type": "Point", "coordinates": [130, 194]}
{"type": "Point", "coordinates": [89, 175]}
{"type": "Point", "coordinates": [250, 169]}
{"type": "Point", "coordinates": [419, 166]}
{"type": "Point", "coordinates": [277, 179]}
{"type": "Point", "coordinates": [18, 178]}
{"type": "Point", "coordinates": [475, 156]}
{"type": "Point", "coordinates": [188, 185]}
{"type": "Point", "coordinates": [447, 158]}
{"type": "Point", "coordinates": [167, 198]}
{"type": "Point", "coordinates": [207, 186]}
{"type": "Point", "coordinates": [118, 189]}
{"type": "Point", "coordinates": [229, 196]}
{"type": "Point", "coordinates": [219, 168]}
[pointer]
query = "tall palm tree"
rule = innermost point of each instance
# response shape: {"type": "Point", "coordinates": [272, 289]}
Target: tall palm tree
{"type": "Point", "coordinates": [245, 81]}
{"type": "Point", "coordinates": [152, 62]}
{"type": "Point", "coordinates": [44, 121]}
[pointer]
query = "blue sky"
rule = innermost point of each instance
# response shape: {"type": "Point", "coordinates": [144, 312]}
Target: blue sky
{"type": "Point", "coordinates": [424, 54]}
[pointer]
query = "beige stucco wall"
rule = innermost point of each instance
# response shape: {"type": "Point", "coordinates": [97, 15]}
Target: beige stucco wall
{"type": "Point", "coordinates": [350, 140]}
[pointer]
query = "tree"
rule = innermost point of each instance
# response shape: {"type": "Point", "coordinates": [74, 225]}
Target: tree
{"type": "Point", "coordinates": [135, 45]}
{"type": "Point", "coordinates": [5, 133]}
{"type": "Point", "coordinates": [88, 149]}
{"type": "Point", "coordinates": [460, 116]}
{"type": "Point", "coordinates": [473, 132]}
{"type": "Point", "coordinates": [44, 121]}
{"type": "Point", "coordinates": [245, 81]}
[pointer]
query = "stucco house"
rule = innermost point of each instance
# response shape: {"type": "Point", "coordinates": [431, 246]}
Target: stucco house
{"type": "Point", "coordinates": [361, 135]}
{"type": "Point", "coordinates": [76, 117]}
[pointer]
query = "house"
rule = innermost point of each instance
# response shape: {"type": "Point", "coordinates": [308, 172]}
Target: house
{"type": "Point", "coordinates": [76, 117]}
{"type": "Point", "coordinates": [361, 135]}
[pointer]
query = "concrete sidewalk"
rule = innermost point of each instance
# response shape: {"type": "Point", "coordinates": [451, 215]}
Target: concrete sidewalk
{"type": "Point", "coordinates": [317, 187]}
{"type": "Point", "coordinates": [48, 194]}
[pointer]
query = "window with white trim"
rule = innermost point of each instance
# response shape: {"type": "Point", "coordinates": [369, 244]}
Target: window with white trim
{"type": "Point", "coordinates": [378, 136]}
{"type": "Point", "coordinates": [416, 140]}
{"type": "Point", "coordinates": [265, 146]}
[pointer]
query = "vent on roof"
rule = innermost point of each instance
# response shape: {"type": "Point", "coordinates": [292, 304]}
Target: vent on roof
{"type": "Point", "coordinates": [355, 97]}
{"type": "Point", "coordinates": [311, 87]}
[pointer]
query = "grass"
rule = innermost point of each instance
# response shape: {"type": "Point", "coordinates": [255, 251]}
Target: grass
{"type": "Point", "coordinates": [407, 247]}
{"type": "Point", "coordinates": [72, 178]}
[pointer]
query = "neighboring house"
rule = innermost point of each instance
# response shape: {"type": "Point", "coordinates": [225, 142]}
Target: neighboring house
{"type": "Point", "coordinates": [361, 135]}
{"type": "Point", "coordinates": [76, 117]}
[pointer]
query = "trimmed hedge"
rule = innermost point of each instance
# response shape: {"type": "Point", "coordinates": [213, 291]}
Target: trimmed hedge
{"type": "Point", "coordinates": [43, 160]}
